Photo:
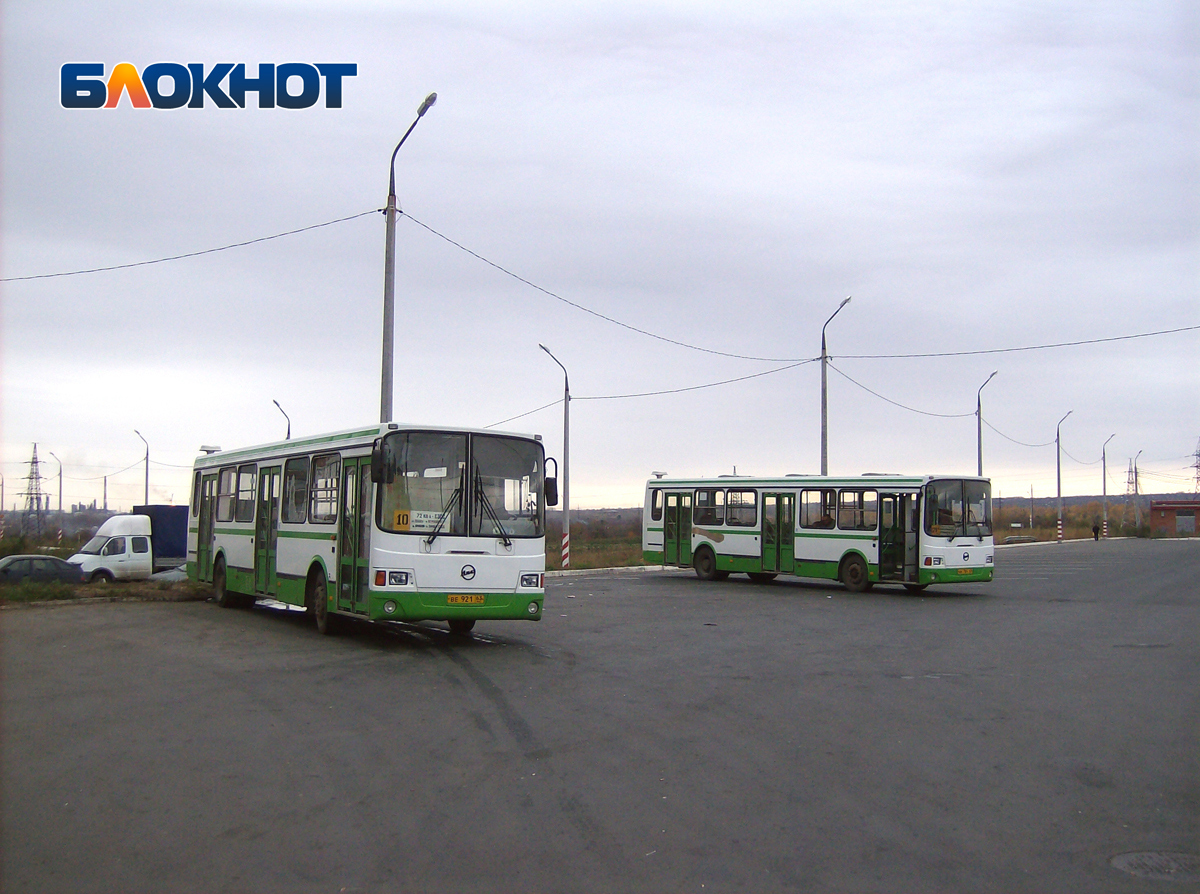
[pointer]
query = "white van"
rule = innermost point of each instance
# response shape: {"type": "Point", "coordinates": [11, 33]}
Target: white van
{"type": "Point", "coordinates": [119, 551]}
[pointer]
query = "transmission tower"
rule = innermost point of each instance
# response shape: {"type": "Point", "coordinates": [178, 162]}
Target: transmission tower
{"type": "Point", "coordinates": [32, 521]}
{"type": "Point", "coordinates": [1196, 465]}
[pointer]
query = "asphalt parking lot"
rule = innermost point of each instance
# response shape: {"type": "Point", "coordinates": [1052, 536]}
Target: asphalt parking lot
{"type": "Point", "coordinates": [651, 733]}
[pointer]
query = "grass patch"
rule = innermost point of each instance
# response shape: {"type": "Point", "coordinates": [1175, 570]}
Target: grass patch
{"type": "Point", "coordinates": [37, 591]}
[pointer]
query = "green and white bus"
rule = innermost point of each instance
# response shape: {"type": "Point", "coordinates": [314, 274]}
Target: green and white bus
{"type": "Point", "coordinates": [863, 530]}
{"type": "Point", "coordinates": [390, 522]}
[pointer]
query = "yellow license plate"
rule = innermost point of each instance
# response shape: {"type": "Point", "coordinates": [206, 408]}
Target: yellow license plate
{"type": "Point", "coordinates": [466, 600]}
{"type": "Point", "coordinates": [966, 570]}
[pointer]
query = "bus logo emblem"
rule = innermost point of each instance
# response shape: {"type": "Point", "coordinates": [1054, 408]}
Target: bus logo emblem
{"type": "Point", "coordinates": [468, 572]}
{"type": "Point", "coordinates": [966, 557]}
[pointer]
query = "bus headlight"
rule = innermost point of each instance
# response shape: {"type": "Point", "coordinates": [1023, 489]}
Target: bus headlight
{"type": "Point", "coordinates": [389, 608]}
{"type": "Point", "coordinates": [533, 608]}
{"type": "Point", "coordinates": [531, 580]}
{"type": "Point", "coordinates": [989, 560]}
{"type": "Point", "coordinates": [397, 578]}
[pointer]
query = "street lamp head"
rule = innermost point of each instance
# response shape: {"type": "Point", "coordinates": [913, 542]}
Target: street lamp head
{"type": "Point", "coordinates": [425, 106]}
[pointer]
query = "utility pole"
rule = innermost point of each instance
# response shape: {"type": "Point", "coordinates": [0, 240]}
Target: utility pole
{"type": "Point", "coordinates": [825, 393]}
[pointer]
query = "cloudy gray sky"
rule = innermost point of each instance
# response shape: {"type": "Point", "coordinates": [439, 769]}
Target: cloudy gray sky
{"type": "Point", "coordinates": [978, 177]}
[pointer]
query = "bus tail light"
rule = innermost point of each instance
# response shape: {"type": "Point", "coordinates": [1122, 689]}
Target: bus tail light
{"type": "Point", "coordinates": [391, 578]}
{"type": "Point", "coordinates": [933, 560]}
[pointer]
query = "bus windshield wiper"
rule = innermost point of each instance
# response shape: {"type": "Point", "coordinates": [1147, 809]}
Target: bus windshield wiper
{"type": "Point", "coordinates": [437, 529]}
{"type": "Point", "coordinates": [487, 505]}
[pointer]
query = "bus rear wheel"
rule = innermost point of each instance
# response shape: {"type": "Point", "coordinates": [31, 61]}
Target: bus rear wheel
{"type": "Point", "coordinates": [705, 563]}
{"type": "Point", "coordinates": [461, 626]}
{"type": "Point", "coordinates": [854, 575]}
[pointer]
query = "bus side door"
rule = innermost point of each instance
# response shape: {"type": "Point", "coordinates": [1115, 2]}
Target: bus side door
{"type": "Point", "coordinates": [778, 533]}
{"type": "Point", "coordinates": [266, 531]}
{"type": "Point", "coordinates": [206, 533]}
{"type": "Point", "coordinates": [354, 536]}
{"type": "Point", "coordinates": [677, 529]}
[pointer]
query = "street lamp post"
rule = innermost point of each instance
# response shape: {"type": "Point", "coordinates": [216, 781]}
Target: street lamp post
{"type": "Point", "coordinates": [59, 461]}
{"type": "Point", "coordinates": [566, 470]}
{"type": "Point", "coordinates": [979, 423]}
{"type": "Point", "coordinates": [288, 418]}
{"type": "Point", "coordinates": [1104, 483]}
{"type": "Point", "coordinates": [147, 443]}
{"type": "Point", "coordinates": [1058, 467]}
{"type": "Point", "coordinates": [825, 393]}
{"type": "Point", "coordinates": [389, 275]}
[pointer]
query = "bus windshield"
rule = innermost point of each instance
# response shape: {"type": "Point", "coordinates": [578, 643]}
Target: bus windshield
{"type": "Point", "coordinates": [427, 489]}
{"type": "Point", "coordinates": [958, 508]}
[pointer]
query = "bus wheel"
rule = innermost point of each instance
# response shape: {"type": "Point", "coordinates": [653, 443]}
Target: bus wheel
{"type": "Point", "coordinates": [461, 626]}
{"type": "Point", "coordinates": [317, 597]}
{"type": "Point", "coordinates": [854, 575]}
{"type": "Point", "coordinates": [221, 593]}
{"type": "Point", "coordinates": [915, 588]}
{"type": "Point", "coordinates": [705, 563]}
{"type": "Point", "coordinates": [762, 577]}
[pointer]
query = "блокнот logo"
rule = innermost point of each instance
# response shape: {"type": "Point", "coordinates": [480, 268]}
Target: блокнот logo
{"type": "Point", "coordinates": [85, 87]}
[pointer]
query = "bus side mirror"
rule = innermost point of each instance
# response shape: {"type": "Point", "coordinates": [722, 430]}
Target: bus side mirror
{"type": "Point", "coordinates": [551, 491]}
{"type": "Point", "coordinates": [377, 461]}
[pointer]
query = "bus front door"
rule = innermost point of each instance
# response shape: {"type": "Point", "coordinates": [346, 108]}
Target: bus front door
{"type": "Point", "coordinates": [677, 530]}
{"type": "Point", "coordinates": [266, 531]}
{"type": "Point", "coordinates": [206, 533]}
{"type": "Point", "coordinates": [891, 537]}
{"type": "Point", "coordinates": [354, 537]}
{"type": "Point", "coordinates": [778, 533]}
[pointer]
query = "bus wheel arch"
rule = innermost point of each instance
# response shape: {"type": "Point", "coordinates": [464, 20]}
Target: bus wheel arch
{"type": "Point", "coordinates": [854, 574]}
{"type": "Point", "coordinates": [704, 561]}
{"type": "Point", "coordinates": [221, 594]}
{"type": "Point", "coordinates": [316, 600]}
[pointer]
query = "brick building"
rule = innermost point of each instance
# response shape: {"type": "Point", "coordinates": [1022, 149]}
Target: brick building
{"type": "Point", "coordinates": [1173, 518]}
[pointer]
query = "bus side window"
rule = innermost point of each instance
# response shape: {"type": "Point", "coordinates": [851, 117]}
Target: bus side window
{"type": "Point", "coordinates": [323, 496]}
{"type": "Point", "coordinates": [656, 504]}
{"type": "Point", "coordinates": [816, 508]}
{"type": "Point", "coordinates": [295, 490]}
{"type": "Point", "coordinates": [225, 494]}
{"type": "Point", "coordinates": [709, 508]}
{"type": "Point", "coordinates": [244, 510]}
{"type": "Point", "coordinates": [742, 508]}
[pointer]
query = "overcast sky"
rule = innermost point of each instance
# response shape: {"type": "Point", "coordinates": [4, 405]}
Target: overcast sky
{"type": "Point", "coordinates": [978, 177]}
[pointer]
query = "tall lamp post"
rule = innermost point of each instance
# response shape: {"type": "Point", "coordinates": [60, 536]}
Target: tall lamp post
{"type": "Point", "coordinates": [289, 419]}
{"type": "Point", "coordinates": [979, 423]}
{"type": "Point", "coordinates": [389, 275]}
{"type": "Point", "coordinates": [147, 443]}
{"type": "Point", "coordinates": [1104, 484]}
{"type": "Point", "coordinates": [1058, 467]}
{"type": "Point", "coordinates": [825, 394]}
{"type": "Point", "coordinates": [59, 461]}
{"type": "Point", "coordinates": [566, 531]}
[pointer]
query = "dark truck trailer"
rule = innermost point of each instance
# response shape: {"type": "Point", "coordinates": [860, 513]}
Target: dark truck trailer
{"type": "Point", "coordinates": [168, 533]}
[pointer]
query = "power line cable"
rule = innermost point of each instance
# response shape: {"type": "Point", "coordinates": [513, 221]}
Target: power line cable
{"type": "Point", "coordinates": [192, 254]}
{"type": "Point", "coordinates": [895, 403]}
{"type": "Point", "coordinates": [658, 393]}
{"type": "Point", "coordinates": [588, 310]}
{"type": "Point", "coordinates": [1014, 440]}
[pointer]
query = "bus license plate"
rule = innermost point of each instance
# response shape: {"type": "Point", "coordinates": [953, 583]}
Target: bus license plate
{"type": "Point", "coordinates": [466, 600]}
{"type": "Point", "coordinates": [965, 570]}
